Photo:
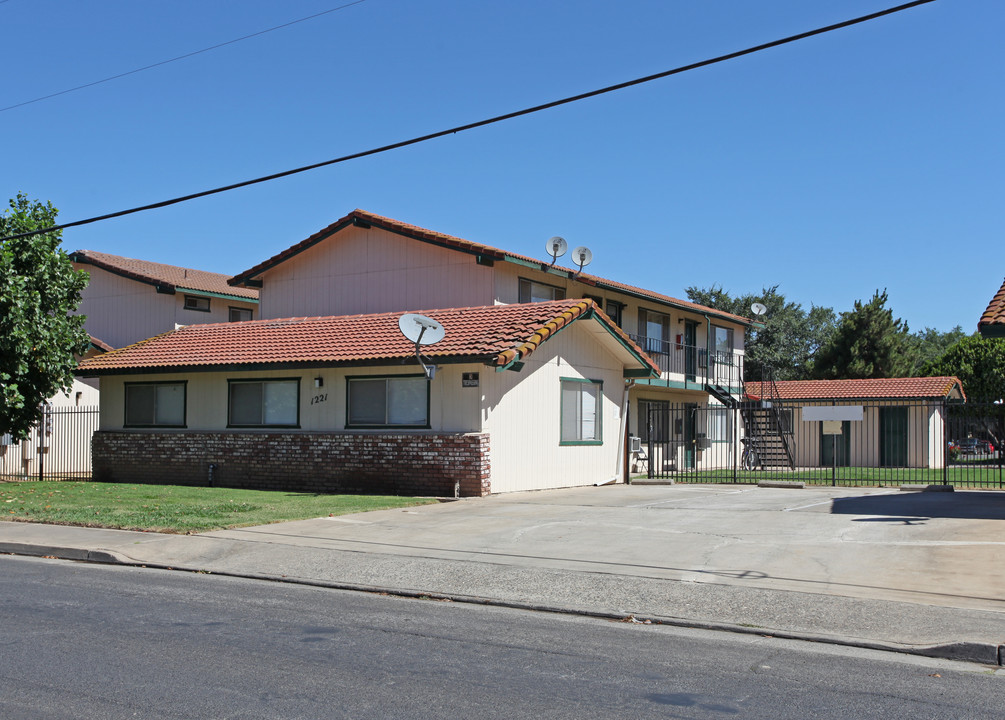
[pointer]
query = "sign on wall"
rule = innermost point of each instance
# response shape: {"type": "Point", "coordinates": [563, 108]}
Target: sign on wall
{"type": "Point", "coordinates": [841, 413]}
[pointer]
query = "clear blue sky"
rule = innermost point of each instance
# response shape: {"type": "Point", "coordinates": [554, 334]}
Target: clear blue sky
{"type": "Point", "coordinates": [869, 158]}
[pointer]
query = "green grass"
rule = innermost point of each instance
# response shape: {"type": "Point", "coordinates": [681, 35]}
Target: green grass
{"type": "Point", "coordinates": [175, 508]}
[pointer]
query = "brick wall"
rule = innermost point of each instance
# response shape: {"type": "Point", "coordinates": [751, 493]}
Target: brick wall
{"type": "Point", "coordinates": [416, 464]}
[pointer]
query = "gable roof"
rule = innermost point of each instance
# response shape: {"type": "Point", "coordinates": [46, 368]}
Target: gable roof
{"type": "Point", "coordinates": [166, 278]}
{"type": "Point", "coordinates": [880, 388]}
{"type": "Point", "coordinates": [992, 322]}
{"type": "Point", "coordinates": [499, 335]}
{"type": "Point", "coordinates": [364, 219]}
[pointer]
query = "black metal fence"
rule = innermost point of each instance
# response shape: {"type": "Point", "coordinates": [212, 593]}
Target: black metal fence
{"type": "Point", "coordinates": [58, 447]}
{"type": "Point", "coordinates": [843, 444]}
{"type": "Point", "coordinates": [693, 363]}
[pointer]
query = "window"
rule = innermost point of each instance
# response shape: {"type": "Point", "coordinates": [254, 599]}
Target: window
{"type": "Point", "coordinates": [194, 302]}
{"type": "Point", "coordinates": [155, 404]}
{"type": "Point", "coordinates": [531, 292]}
{"type": "Point", "coordinates": [239, 314]}
{"type": "Point", "coordinates": [723, 339]}
{"type": "Point", "coordinates": [655, 328]}
{"type": "Point", "coordinates": [393, 401]}
{"type": "Point", "coordinates": [718, 423]}
{"type": "Point", "coordinates": [581, 412]}
{"type": "Point", "coordinates": [654, 420]}
{"type": "Point", "coordinates": [264, 403]}
{"type": "Point", "coordinates": [614, 310]}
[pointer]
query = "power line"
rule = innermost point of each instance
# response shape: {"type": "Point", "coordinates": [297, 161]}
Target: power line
{"type": "Point", "coordinates": [482, 123]}
{"type": "Point", "coordinates": [180, 57]}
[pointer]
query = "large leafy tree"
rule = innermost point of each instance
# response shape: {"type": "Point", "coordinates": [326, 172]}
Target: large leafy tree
{"type": "Point", "coordinates": [39, 337]}
{"type": "Point", "coordinates": [927, 346]}
{"type": "Point", "coordinates": [979, 363]}
{"type": "Point", "coordinates": [868, 343]}
{"type": "Point", "coordinates": [786, 338]}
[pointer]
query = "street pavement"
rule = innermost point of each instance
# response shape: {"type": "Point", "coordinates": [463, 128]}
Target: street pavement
{"type": "Point", "coordinates": [914, 572]}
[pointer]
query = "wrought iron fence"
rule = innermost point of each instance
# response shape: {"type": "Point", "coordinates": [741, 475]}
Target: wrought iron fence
{"type": "Point", "coordinates": [58, 447]}
{"type": "Point", "coordinates": [848, 444]}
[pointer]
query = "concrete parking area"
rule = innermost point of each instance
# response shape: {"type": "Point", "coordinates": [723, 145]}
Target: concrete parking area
{"type": "Point", "coordinates": [944, 549]}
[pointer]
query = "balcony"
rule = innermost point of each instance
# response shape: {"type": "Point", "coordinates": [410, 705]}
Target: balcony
{"type": "Point", "coordinates": [693, 365]}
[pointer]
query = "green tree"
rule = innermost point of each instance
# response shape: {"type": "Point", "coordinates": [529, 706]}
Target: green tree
{"type": "Point", "coordinates": [868, 343]}
{"type": "Point", "coordinates": [979, 363]}
{"type": "Point", "coordinates": [786, 338]}
{"type": "Point", "coordinates": [928, 345]}
{"type": "Point", "coordinates": [39, 338]}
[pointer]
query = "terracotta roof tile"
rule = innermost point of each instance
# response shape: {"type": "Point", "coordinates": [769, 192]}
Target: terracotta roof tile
{"type": "Point", "coordinates": [363, 217]}
{"type": "Point", "coordinates": [995, 313]}
{"type": "Point", "coordinates": [498, 334]}
{"type": "Point", "coordinates": [927, 387]}
{"type": "Point", "coordinates": [168, 276]}
{"type": "Point", "coordinates": [100, 344]}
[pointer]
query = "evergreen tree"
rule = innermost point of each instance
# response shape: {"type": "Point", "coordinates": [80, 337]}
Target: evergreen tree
{"type": "Point", "coordinates": [979, 363]}
{"type": "Point", "coordinates": [868, 343]}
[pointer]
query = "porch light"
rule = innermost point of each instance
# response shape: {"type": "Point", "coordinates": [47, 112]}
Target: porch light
{"type": "Point", "coordinates": [319, 381]}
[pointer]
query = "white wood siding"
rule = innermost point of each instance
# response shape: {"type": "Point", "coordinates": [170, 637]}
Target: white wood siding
{"type": "Point", "coordinates": [369, 271]}
{"type": "Point", "coordinates": [121, 311]}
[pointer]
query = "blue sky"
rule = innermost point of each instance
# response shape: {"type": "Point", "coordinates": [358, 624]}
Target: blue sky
{"type": "Point", "coordinates": [869, 158]}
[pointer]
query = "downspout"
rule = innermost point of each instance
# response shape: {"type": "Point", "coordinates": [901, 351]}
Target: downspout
{"type": "Point", "coordinates": [619, 467]}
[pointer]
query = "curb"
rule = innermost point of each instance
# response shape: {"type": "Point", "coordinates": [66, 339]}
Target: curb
{"type": "Point", "coordinates": [974, 652]}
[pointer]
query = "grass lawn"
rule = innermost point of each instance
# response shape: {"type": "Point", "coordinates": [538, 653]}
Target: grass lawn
{"type": "Point", "coordinates": [175, 508]}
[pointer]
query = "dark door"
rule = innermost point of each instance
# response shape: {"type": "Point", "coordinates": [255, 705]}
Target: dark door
{"type": "Point", "coordinates": [893, 437]}
{"type": "Point", "coordinates": [690, 351]}
{"type": "Point", "coordinates": [832, 446]}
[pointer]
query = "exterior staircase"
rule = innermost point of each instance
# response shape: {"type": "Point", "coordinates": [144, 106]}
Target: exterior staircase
{"type": "Point", "coordinates": [764, 429]}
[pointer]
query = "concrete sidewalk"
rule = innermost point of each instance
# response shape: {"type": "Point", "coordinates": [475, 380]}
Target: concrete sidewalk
{"type": "Point", "coordinates": [912, 572]}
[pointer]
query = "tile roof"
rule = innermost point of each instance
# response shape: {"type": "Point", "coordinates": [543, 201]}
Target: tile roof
{"type": "Point", "coordinates": [496, 334]}
{"type": "Point", "coordinates": [169, 277]}
{"type": "Point", "coordinates": [881, 388]}
{"type": "Point", "coordinates": [995, 313]}
{"type": "Point", "coordinates": [100, 344]}
{"type": "Point", "coordinates": [366, 219]}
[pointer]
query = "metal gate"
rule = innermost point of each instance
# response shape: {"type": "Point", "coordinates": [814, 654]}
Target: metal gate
{"type": "Point", "coordinates": [885, 443]}
{"type": "Point", "coordinates": [58, 447]}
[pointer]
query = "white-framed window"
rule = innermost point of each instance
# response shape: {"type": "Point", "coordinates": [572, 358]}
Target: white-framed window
{"type": "Point", "coordinates": [153, 404]}
{"type": "Point", "coordinates": [655, 328]}
{"type": "Point", "coordinates": [718, 426]}
{"type": "Point", "coordinates": [197, 302]}
{"type": "Point", "coordinates": [387, 401]}
{"type": "Point", "coordinates": [264, 403]}
{"type": "Point", "coordinates": [531, 292]}
{"type": "Point", "coordinates": [581, 411]}
{"type": "Point", "coordinates": [722, 337]}
{"type": "Point", "coordinates": [239, 314]}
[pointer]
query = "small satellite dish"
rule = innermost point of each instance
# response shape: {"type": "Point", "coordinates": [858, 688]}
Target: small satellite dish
{"type": "Point", "coordinates": [556, 247]}
{"type": "Point", "coordinates": [582, 256]}
{"type": "Point", "coordinates": [420, 329]}
{"type": "Point", "coordinates": [758, 309]}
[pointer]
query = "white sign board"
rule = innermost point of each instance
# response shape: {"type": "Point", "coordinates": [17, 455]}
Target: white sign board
{"type": "Point", "coordinates": [832, 412]}
{"type": "Point", "coordinates": [832, 427]}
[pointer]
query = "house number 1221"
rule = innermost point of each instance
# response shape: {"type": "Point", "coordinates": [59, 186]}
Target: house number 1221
{"type": "Point", "coordinates": [319, 398]}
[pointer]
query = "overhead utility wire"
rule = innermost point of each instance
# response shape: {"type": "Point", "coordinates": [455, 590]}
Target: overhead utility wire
{"type": "Point", "coordinates": [180, 57]}
{"type": "Point", "coordinates": [480, 123]}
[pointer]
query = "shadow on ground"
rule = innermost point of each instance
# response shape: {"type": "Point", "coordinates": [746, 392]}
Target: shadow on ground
{"type": "Point", "coordinates": [923, 505]}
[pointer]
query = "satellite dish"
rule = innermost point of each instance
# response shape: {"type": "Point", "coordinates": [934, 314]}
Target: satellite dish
{"type": "Point", "coordinates": [420, 329]}
{"type": "Point", "coordinates": [758, 309]}
{"type": "Point", "coordinates": [556, 247]}
{"type": "Point", "coordinates": [582, 256]}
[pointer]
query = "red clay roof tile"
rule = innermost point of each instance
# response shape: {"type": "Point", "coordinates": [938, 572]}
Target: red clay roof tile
{"type": "Point", "coordinates": [169, 276]}
{"type": "Point", "coordinates": [498, 334]}
{"type": "Point", "coordinates": [927, 387]}
{"type": "Point", "coordinates": [995, 313]}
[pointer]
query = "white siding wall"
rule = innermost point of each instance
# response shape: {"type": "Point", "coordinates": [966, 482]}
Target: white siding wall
{"type": "Point", "coordinates": [121, 311]}
{"type": "Point", "coordinates": [522, 413]}
{"type": "Point", "coordinates": [369, 271]}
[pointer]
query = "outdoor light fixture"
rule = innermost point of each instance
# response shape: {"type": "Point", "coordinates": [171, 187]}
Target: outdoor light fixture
{"type": "Point", "coordinates": [319, 381]}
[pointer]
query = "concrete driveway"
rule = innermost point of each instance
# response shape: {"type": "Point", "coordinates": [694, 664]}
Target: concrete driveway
{"type": "Point", "coordinates": [943, 549]}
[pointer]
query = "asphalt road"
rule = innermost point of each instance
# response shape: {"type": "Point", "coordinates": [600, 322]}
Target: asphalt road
{"type": "Point", "coordinates": [91, 641]}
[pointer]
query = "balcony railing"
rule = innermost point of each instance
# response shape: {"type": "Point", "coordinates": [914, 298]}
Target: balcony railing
{"type": "Point", "coordinates": [693, 364]}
